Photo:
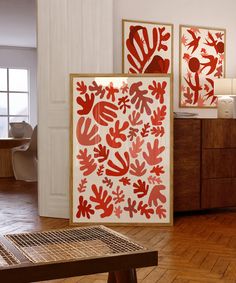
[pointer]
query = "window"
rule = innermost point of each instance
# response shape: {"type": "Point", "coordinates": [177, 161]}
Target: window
{"type": "Point", "coordinates": [14, 98]}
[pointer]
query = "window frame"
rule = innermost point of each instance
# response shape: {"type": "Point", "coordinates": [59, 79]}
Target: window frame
{"type": "Point", "coordinates": [8, 92]}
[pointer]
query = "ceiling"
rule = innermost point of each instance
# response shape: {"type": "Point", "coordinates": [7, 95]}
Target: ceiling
{"type": "Point", "coordinates": [18, 23]}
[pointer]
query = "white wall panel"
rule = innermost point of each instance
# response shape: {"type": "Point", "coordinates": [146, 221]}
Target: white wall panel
{"type": "Point", "coordinates": [73, 37]}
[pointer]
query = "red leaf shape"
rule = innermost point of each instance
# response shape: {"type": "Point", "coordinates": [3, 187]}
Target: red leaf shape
{"type": "Point", "coordinates": [157, 170]}
{"type": "Point", "coordinates": [118, 211]}
{"type": "Point", "coordinates": [158, 131]}
{"type": "Point", "coordinates": [87, 163]}
{"type": "Point", "coordinates": [145, 130]}
{"type": "Point", "coordinates": [163, 37]}
{"type": "Point", "coordinates": [134, 119]}
{"type": "Point", "coordinates": [104, 112]}
{"type": "Point", "coordinates": [159, 116]}
{"type": "Point", "coordinates": [153, 152]}
{"type": "Point", "coordinates": [81, 87]}
{"type": "Point", "coordinates": [101, 153]}
{"type": "Point", "coordinates": [88, 136]}
{"type": "Point", "coordinates": [107, 182]}
{"type": "Point", "coordinates": [116, 133]}
{"type": "Point", "coordinates": [136, 147]}
{"type": "Point", "coordinates": [160, 211]}
{"type": "Point", "coordinates": [86, 104]}
{"type": "Point", "coordinates": [139, 99]}
{"type": "Point", "coordinates": [84, 208]}
{"type": "Point", "coordinates": [98, 89]}
{"type": "Point", "coordinates": [125, 181]}
{"type": "Point", "coordinates": [111, 91]}
{"type": "Point", "coordinates": [118, 195]}
{"type": "Point", "coordinates": [82, 185]}
{"type": "Point", "coordinates": [131, 207]}
{"type": "Point", "coordinates": [156, 195]}
{"type": "Point", "coordinates": [154, 180]}
{"type": "Point", "coordinates": [140, 188]}
{"type": "Point", "coordinates": [144, 210]}
{"type": "Point", "coordinates": [118, 171]}
{"type": "Point", "coordinates": [100, 170]}
{"type": "Point", "coordinates": [138, 169]}
{"type": "Point", "coordinates": [103, 201]}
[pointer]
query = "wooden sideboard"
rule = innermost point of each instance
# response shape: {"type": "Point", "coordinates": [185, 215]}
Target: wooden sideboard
{"type": "Point", "coordinates": [204, 163]}
{"type": "Point", "coordinates": [5, 155]}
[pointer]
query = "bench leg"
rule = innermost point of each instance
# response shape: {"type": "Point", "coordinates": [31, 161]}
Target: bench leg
{"type": "Point", "coordinates": [123, 276]}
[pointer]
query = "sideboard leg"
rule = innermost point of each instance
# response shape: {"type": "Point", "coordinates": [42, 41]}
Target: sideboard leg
{"type": "Point", "coordinates": [123, 276]}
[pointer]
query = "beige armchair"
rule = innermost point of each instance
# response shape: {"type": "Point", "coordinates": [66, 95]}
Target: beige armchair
{"type": "Point", "coordinates": [25, 160]}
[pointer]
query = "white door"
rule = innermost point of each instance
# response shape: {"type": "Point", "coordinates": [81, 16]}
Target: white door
{"type": "Point", "coordinates": [74, 36]}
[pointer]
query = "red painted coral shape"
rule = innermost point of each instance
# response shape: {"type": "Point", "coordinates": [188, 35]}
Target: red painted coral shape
{"type": "Point", "coordinates": [87, 163]}
{"type": "Point", "coordinates": [145, 210]}
{"type": "Point", "coordinates": [137, 169]}
{"type": "Point", "coordinates": [158, 116]}
{"type": "Point", "coordinates": [115, 169]}
{"type": "Point", "coordinates": [136, 147]}
{"type": "Point", "coordinates": [140, 188]}
{"type": "Point", "coordinates": [156, 195]}
{"type": "Point", "coordinates": [104, 112]}
{"type": "Point", "coordinates": [84, 208]}
{"type": "Point", "coordinates": [103, 200]}
{"type": "Point", "coordinates": [158, 90]}
{"type": "Point", "coordinates": [116, 134]}
{"type": "Point", "coordinates": [152, 156]}
{"type": "Point", "coordinates": [87, 135]}
{"type": "Point", "coordinates": [130, 208]}
{"type": "Point", "coordinates": [118, 195]}
{"type": "Point", "coordinates": [101, 153]}
{"type": "Point", "coordinates": [82, 185]}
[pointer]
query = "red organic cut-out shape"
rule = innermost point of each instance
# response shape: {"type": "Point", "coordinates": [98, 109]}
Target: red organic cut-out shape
{"type": "Point", "coordinates": [160, 211]}
{"type": "Point", "coordinates": [116, 133]}
{"type": "Point", "coordinates": [140, 188]}
{"type": "Point", "coordinates": [136, 147]}
{"type": "Point", "coordinates": [139, 99]}
{"type": "Point", "coordinates": [125, 181]}
{"type": "Point", "coordinates": [163, 37]}
{"type": "Point", "coordinates": [218, 46]}
{"type": "Point", "coordinates": [140, 48]}
{"type": "Point", "coordinates": [211, 63]}
{"type": "Point", "coordinates": [144, 210]}
{"type": "Point", "coordinates": [98, 89]}
{"type": "Point", "coordinates": [219, 72]}
{"type": "Point", "coordinates": [123, 103]}
{"type": "Point", "coordinates": [104, 112]}
{"type": "Point", "coordinates": [101, 153]}
{"type": "Point", "coordinates": [118, 211]}
{"type": "Point", "coordinates": [84, 208]}
{"type": "Point", "coordinates": [118, 171]}
{"type": "Point", "coordinates": [81, 87]}
{"type": "Point", "coordinates": [131, 207]}
{"type": "Point", "coordinates": [111, 92]}
{"type": "Point", "coordinates": [107, 182]}
{"type": "Point", "coordinates": [188, 95]}
{"type": "Point", "coordinates": [158, 116]}
{"type": "Point", "coordinates": [82, 185]}
{"type": "Point", "coordinates": [132, 133]}
{"type": "Point", "coordinates": [87, 163]}
{"type": "Point", "coordinates": [103, 199]}
{"type": "Point", "coordinates": [210, 93]}
{"type": "Point", "coordinates": [153, 152]}
{"type": "Point", "coordinates": [124, 88]}
{"type": "Point", "coordinates": [87, 136]}
{"type": "Point", "coordinates": [158, 90]}
{"type": "Point", "coordinates": [118, 195]}
{"type": "Point", "coordinates": [158, 170]}
{"type": "Point", "coordinates": [137, 169]}
{"type": "Point", "coordinates": [156, 195]}
{"type": "Point", "coordinates": [86, 104]}
{"type": "Point", "coordinates": [134, 119]}
{"type": "Point", "coordinates": [154, 180]}
{"type": "Point", "coordinates": [145, 130]}
{"type": "Point", "coordinates": [158, 131]}
{"type": "Point", "coordinates": [100, 170]}
{"type": "Point", "coordinates": [194, 41]}
{"type": "Point", "coordinates": [158, 65]}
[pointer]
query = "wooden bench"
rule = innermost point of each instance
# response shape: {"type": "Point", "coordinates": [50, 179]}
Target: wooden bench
{"type": "Point", "coordinates": [55, 254]}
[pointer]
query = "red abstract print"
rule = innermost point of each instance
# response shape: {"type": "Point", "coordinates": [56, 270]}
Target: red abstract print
{"type": "Point", "coordinates": [121, 149]}
{"type": "Point", "coordinates": [202, 59]}
{"type": "Point", "coordinates": [147, 47]}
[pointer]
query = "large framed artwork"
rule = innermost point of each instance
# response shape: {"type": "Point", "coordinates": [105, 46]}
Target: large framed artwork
{"type": "Point", "coordinates": [147, 47]}
{"type": "Point", "coordinates": [121, 149]}
{"type": "Point", "coordinates": [202, 59]}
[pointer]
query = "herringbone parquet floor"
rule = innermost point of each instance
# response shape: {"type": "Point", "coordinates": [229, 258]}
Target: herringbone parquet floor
{"type": "Point", "coordinates": [199, 248]}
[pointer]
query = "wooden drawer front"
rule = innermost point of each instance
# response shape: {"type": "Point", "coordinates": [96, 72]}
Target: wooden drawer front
{"type": "Point", "coordinates": [187, 134]}
{"type": "Point", "coordinates": [218, 193]}
{"type": "Point", "coordinates": [218, 163]}
{"type": "Point", "coordinates": [218, 133]}
{"type": "Point", "coordinates": [187, 146]}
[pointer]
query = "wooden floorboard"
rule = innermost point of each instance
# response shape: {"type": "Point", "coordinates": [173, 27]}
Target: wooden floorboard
{"type": "Point", "coordinates": [200, 247]}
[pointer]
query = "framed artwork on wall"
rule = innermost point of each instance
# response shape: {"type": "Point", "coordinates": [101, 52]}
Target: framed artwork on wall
{"type": "Point", "coordinates": [121, 149]}
{"type": "Point", "coordinates": [147, 47]}
{"type": "Point", "coordinates": [202, 59]}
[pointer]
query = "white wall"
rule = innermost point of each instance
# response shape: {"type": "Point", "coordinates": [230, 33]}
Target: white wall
{"type": "Point", "coordinates": [210, 13]}
{"type": "Point", "coordinates": [19, 57]}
